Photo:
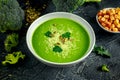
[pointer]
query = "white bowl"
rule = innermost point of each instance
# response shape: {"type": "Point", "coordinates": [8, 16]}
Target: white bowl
{"type": "Point", "coordinates": [71, 16]}
{"type": "Point", "coordinates": [101, 25]}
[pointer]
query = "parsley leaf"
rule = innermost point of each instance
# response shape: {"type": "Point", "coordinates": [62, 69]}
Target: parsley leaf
{"type": "Point", "coordinates": [48, 34]}
{"type": "Point", "coordinates": [66, 35]}
{"type": "Point", "coordinates": [57, 49]}
{"type": "Point", "coordinates": [101, 51]}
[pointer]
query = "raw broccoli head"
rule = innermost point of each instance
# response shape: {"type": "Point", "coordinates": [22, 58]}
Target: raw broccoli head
{"type": "Point", "coordinates": [11, 15]}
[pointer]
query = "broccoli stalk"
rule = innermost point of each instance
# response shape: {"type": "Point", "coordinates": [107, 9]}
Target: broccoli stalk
{"type": "Point", "coordinates": [92, 0]}
{"type": "Point", "coordinates": [70, 5]}
{"type": "Point", "coordinates": [105, 68]}
{"type": "Point", "coordinates": [11, 15]}
{"type": "Point", "coordinates": [13, 58]}
{"type": "Point", "coordinates": [81, 2]}
{"type": "Point", "coordinates": [11, 41]}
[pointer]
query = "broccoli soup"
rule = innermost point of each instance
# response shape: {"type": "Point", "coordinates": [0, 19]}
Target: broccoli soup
{"type": "Point", "coordinates": [60, 40]}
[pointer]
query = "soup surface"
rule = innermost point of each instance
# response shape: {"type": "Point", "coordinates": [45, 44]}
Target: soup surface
{"type": "Point", "coordinates": [60, 40]}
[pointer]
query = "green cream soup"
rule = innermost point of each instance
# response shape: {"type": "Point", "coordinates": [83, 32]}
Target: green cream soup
{"type": "Point", "coordinates": [60, 40]}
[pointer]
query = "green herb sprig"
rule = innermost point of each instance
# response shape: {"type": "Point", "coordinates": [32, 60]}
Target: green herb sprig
{"type": "Point", "coordinates": [100, 50]}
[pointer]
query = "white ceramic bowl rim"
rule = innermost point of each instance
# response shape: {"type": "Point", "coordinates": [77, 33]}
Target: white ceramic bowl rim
{"type": "Point", "coordinates": [49, 16]}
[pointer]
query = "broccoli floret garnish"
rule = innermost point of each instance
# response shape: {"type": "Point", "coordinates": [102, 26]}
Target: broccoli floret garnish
{"type": "Point", "coordinates": [11, 41]}
{"type": "Point", "coordinates": [48, 34]}
{"type": "Point", "coordinates": [11, 15]}
{"type": "Point", "coordinates": [57, 49]}
{"type": "Point", "coordinates": [13, 58]}
{"type": "Point", "coordinates": [105, 68]}
{"type": "Point", "coordinates": [66, 35]}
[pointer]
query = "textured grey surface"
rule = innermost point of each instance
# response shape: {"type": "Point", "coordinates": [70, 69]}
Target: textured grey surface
{"type": "Point", "coordinates": [32, 69]}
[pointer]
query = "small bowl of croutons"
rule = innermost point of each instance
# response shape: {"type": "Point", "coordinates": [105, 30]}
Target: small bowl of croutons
{"type": "Point", "coordinates": [109, 19]}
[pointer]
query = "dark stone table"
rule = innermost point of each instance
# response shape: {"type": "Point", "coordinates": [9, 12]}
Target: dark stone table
{"type": "Point", "coordinates": [32, 69]}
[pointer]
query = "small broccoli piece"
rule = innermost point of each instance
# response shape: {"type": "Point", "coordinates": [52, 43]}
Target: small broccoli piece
{"type": "Point", "coordinates": [48, 34]}
{"type": "Point", "coordinates": [57, 49]}
{"type": "Point", "coordinates": [105, 68]}
{"type": "Point", "coordinates": [11, 41]}
{"type": "Point", "coordinates": [70, 5]}
{"type": "Point", "coordinates": [66, 35]}
{"type": "Point", "coordinates": [11, 15]}
{"type": "Point", "coordinates": [13, 58]}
